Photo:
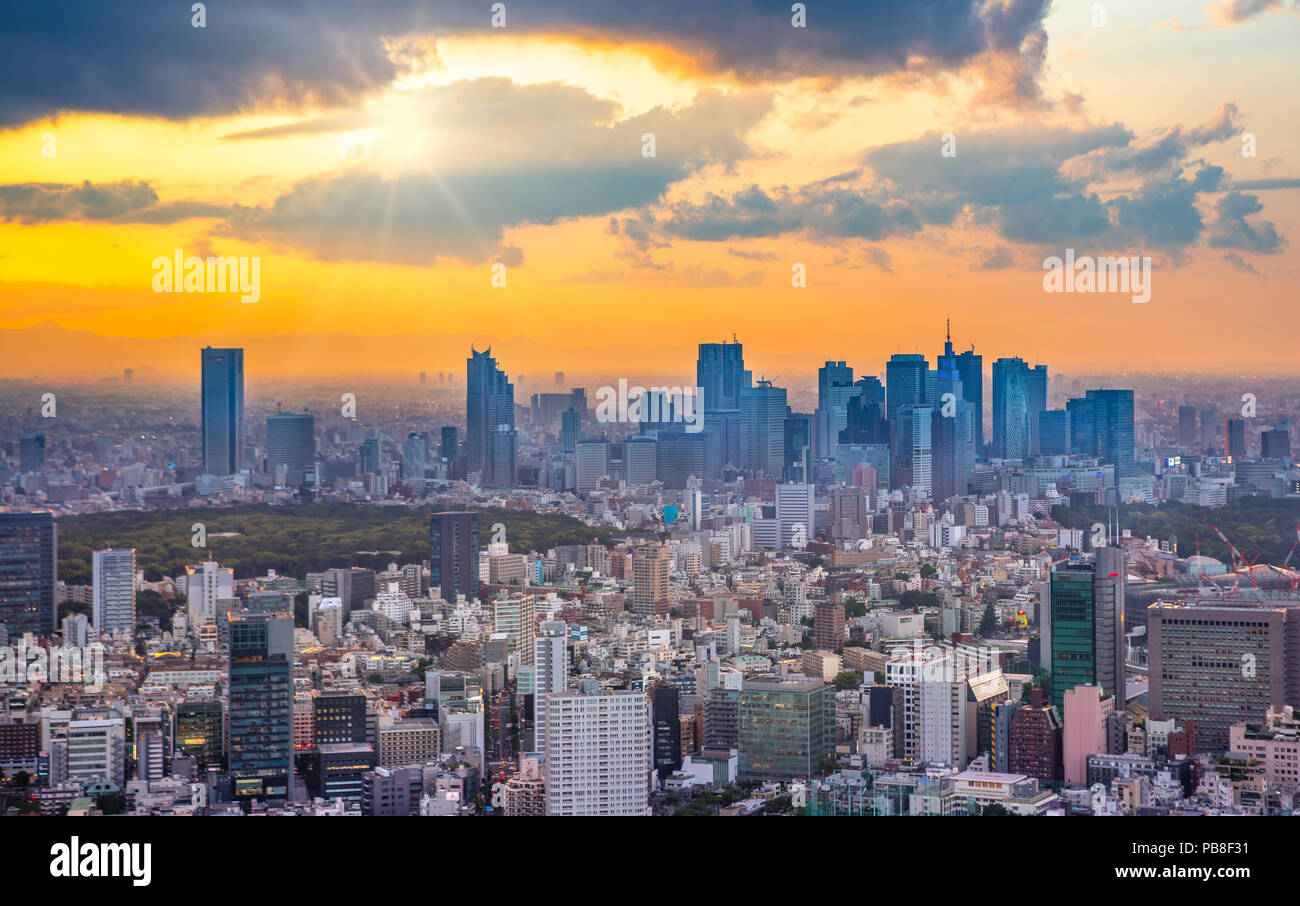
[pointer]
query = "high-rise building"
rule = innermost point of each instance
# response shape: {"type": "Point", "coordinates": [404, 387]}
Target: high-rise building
{"type": "Point", "coordinates": [592, 462]}
{"type": "Point", "coordinates": [834, 388]}
{"type": "Point", "coordinates": [339, 715]}
{"type": "Point", "coordinates": [971, 368]}
{"type": "Point", "coordinates": [291, 444]}
{"type": "Point", "coordinates": [198, 732]}
{"type": "Point", "coordinates": [1054, 432]}
{"type": "Point", "coordinates": [1112, 412]}
{"type": "Point", "coordinates": [795, 514]}
{"type": "Point", "coordinates": [449, 449]}
{"type": "Point", "coordinates": [516, 617]}
{"type": "Point", "coordinates": [1085, 717]}
{"type": "Point", "coordinates": [953, 430]}
{"type": "Point", "coordinates": [667, 730]}
{"type": "Point", "coordinates": [570, 429]}
{"type": "Point", "coordinates": [29, 573]}
{"type": "Point", "coordinates": [1235, 435]}
{"type": "Point", "coordinates": [763, 410]}
{"type": "Point", "coordinates": [786, 728]}
{"type": "Point", "coordinates": [453, 555]}
{"type": "Point", "coordinates": [1222, 662]}
{"type": "Point", "coordinates": [204, 586]}
{"type": "Point", "coordinates": [490, 438]}
{"type": "Point", "coordinates": [31, 453]}
{"type": "Point", "coordinates": [1037, 383]}
{"type": "Point", "coordinates": [828, 626]}
{"type": "Point", "coordinates": [912, 462]}
{"type": "Point", "coordinates": [261, 705]}
{"type": "Point", "coordinates": [1209, 429]}
{"type": "Point", "coordinates": [1275, 444]}
{"type": "Point", "coordinates": [1083, 631]}
{"type": "Point", "coordinates": [1012, 425]}
{"type": "Point", "coordinates": [1188, 435]}
{"type": "Point", "coordinates": [598, 753]}
{"type": "Point", "coordinates": [905, 382]}
{"type": "Point", "coordinates": [369, 462]}
{"type": "Point", "coordinates": [113, 592]}
{"type": "Point", "coordinates": [650, 567]}
{"type": "Point", "coordinates": [641, 460]}
{"type": "Point", "coordinates": [1034, 740]}
{"type": "Point", "coordinates": [222, 410]}
{"type": "Point", "coordinates": [720, 371]}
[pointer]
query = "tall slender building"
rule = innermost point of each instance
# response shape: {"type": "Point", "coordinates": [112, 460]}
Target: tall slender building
{"type": "Point", "coordinates": [650, 567]}
{"type": "Point", "coordinates": [1037, 405]}
{"type": "Point", "coordinates": [453, 555]}
{"type": "Point", "coordinates": [905, 382]}
{"type": "Point", "coordinates": [720, 371]}
{"type": "Point", "coordinates": [1011, 403]}
{"type": "Point", "coordinates": [971, 368]}
{"type": "Point", "coordinates": [29, 572]}
{"type": "Point", "coordinates": [952, 429]}
{"type": "Point", "coordinates": [834, 388]}
{"type": "Point", "coordinates": [491, 442]}
{"type": "Point", "coordinates": [598, 753]}
{"type": "Point", "coordinates": [222, 410]}
{"type": "Point", "coordinates": [261, 705]}
{"type": "Point", "coordinates": [31, 453]}
{"type": "Point", "coordinates": [113, 592]}
{"type": "Point", "coordinates": [1112, 412]}
{"type": "Point", "coordinates": [763, 410]}
{"type": "Point", "coordinates": [1083, 632]}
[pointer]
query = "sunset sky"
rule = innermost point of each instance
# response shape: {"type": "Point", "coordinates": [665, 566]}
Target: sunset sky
{"type": "Point", "coordinates": [380, 167]}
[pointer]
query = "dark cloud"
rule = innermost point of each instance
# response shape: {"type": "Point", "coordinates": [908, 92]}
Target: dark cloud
{"type": "Point", "coordinates": [121, 202]}
{"type": "Point", "coordinates": [145, 58]}
{"type": "Point", "coordinates": [1231, 230]}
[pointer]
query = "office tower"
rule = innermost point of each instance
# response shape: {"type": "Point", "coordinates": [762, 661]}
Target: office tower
{"type": "Point", "coordinates": [864, 421]}
{"type": "Point", "coordinates": [1054, 432]}
{"type": "Point", "coordinates": [414, 455]}
{"type": "Point", "coordinates": [650, 566]}
{"type": "Point", "coordinates": [1037, 384]}
{"type": "Point", "coordinates": [339, 715]}
{"type": "Point", "coordinates": [828, 626]}
{"type": "Point", "coordinates": [905, 382]}
{"type": "Point", "coordinates": [1083, 631]}
{"type": "Point", "coordinates": [85, 747]}
{"type": "Point", "coordinates": [261, 705]}
{"type": "Point", "coordinates": [952, 430]}
{"type": "Point", "coordinates": [1083, 426]}
{"type": "Point", "coordinates": [796, 514]}
{"type": "Point", "coordinates": [1188, 436]}
{"type": "Point", "coordinates": [516, 617]}
{"type": "Point", "coordinates": [1011, 415]}
{"type": "Point", "coordinates": [449, 449]}
{"type": "Point", "coordinates": [851, 510]}
{"type": "Point", "coordinates": [912, 462]}
{"type": "Point", "coordinates": [834, 387]}
{"type": "Point", "coordinates": [1209, 429]}
{"type": "Point", "coordinates": [971, 368]}
{"type": "Point", "coordinates": [720, 371]}
{"type": "Point", "coordinates": [1086, 712]}
{"type": "Point", "coordinates": [29, 573]}
{"type": "Point", "coordinates": [641, 459]}
{"type": "Point", "coordinates": [453, 555]}
{"type": "Point", "coordinates": [785, 728]}
{"type": "Point", "coordinates": [198, 732]}
{"type": "Point", "coordinates": [369, 463]}
{"type": "Point", "coordinates": [681, 456]}
{"type": "Point", "coordinates": [1220, 662]}
{"type": "Point", "coordinates": [550, 673]}
{"type": "Point", "coordinates": [667, 730]}
{"type": "Point", "coordinates": [570, 429]}
{"type": "Point", "coordinates": [1112, 412]}
{"type": "Point", "coordinates": [875, 456]}
{"type": "Point", "coordinates": [113, 592]}
{"type": "Point", "coordinates": [798, 443]}
{"type": "Point", "coordinates": [762, 428]}
{"type": "Point", "coordinates": [592, 461]}
{"type": "Point", "coordinates": [598, 753]}
{"type": "Point", "coordinates": [1275, 444]}
{"type": "Point", "coordinates": [31, 453]}
{"type": "Point", "coordinates": [222, 410]}
{"type": "Point", "coordinates": [1235, 435]}
{"type": "Point", "coordinates": [291, 443]}
{"type": "Point", "coordinates": [490, 438]}
{"type": "Point", "coordinates": [354, 587]}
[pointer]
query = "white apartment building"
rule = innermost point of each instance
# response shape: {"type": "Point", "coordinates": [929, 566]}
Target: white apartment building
{"type": "Point", "coordinates": [598, 757]}
{"type": "Point", "coordinates": [113, 594]}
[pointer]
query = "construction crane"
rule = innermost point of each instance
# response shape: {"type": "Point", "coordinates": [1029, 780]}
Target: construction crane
{"type": "Point", "coordinates": [1238, 561]}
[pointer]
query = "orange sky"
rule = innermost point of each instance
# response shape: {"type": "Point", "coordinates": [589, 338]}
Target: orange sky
{"type": "Point", "coordinates": [634, 294]}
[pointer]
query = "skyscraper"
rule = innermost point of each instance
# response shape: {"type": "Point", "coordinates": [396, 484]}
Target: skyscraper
{"type": "Point", "coordinates": [905, 382]}
{"type": "Point", "coordinates": [415, 453]}
{"type": "Point", "coordinates": [570, 429]}
{"type": "Point", "coordinates": [1188, 436]}
{"type": "Point", "coordinates": [1083, 633]}
{"type": "Point", "coordinates": [222, 410]}
{"type": "Point", "coordinates": [113, 592]}
{"type": "Point", "coordinates": [763, 410]}
{"type": "Point", "coordinates": [291, 443]}
{"type": "Point", "coordinates": [971, 368]}
{"type": "Point", "coordinates": [261, 704]}
{"type": "Point", "coordinates": [598, 753]}
{"type": "Point", "coordinates": [834, 388]}
{"type": "Point", "coordinates": [29, 572]}
{"type": "Point", "coordinates": [1037, 404]}
{"type": "Point", "coordinates": [953, 429]}
{"type": "Point", "coordinates": [650, 566]}
{"type": "Point", "coordinates": [1011, 409]}
{"type": "Point", "coordinates": [449, 449]}
{"type": "Point", "coordinates": [1112, 413]}
{"type": "Point", "coordinates": [453, 555]}
{"type": "Point", "coordinates": [720, 371]}
{"type": "Point", "coordinates": [490, 438]}
{"type": "Point", "coordinates": [31, 453]}
{"type": "Point", "coordinates": [1235, 435]}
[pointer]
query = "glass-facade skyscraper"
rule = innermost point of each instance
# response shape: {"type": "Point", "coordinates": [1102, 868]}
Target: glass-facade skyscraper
{"type": "Point", "coordinates": [291, 442]}
{"type": "Point", "coordinates": [786, 728]}
{"type": "Point", "coordinates": [29, 572]}
{"type": "Point", "coordinates": [1083, 635]}
{"type": "Point", "coordinates": [223, 410]}
{"type": "Point", "coordinates": [1112, 413]}
{"type": "Point", "coordinates": [453, 555]}
{"type": "Point", "coordinates": [261, 705]}
{"type": "Point", "coordinates": [1011, 403]}
{"type": "Point", "coordinates": [491, 442]}
{"type": "Point", "coordinates": [720, 371]}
